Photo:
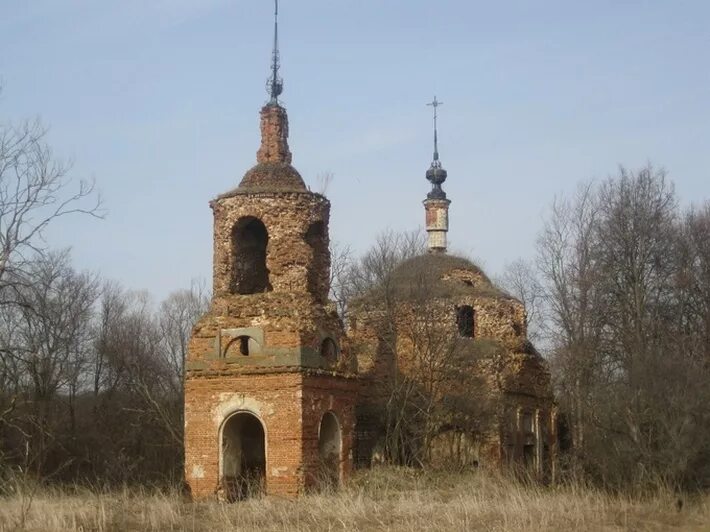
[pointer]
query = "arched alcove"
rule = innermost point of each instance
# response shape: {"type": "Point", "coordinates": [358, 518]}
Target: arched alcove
{"type": "Point", "coordinates": [329, 450]}
{"type": "Point", "coordinates": [243, 457]}
{"type": "Point", "coordinates": [329, 350]}
{"type": "Point", "coordinates": [249, 272]}
{"type": "Point", "coordinates": [315, 237]}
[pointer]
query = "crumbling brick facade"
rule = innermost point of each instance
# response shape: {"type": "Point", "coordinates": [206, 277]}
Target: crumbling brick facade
{"type": "Point", "coordinates": [272, 395]}
{"type": "Point", "coordinates": [442, 307]}
{"type": "Point", "coordinates": [269, 387]}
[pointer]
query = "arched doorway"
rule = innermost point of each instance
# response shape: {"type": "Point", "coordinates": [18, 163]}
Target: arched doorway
{"type": "Point", "coordinates": [329, 449]}
{"type": "Point", "coordinates": [243, 457]}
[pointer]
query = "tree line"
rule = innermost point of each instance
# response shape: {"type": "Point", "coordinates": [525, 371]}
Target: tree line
{"type": "Point", "coordinates": [90, 373]}
{"type": "Point", "coordinates": [618, 300]}
{"type": "Point", "coordinates": [91, 377]}
{"type": "Point", "coordinates": [428, 402]}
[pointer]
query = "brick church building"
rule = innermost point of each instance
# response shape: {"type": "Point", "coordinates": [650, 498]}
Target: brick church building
{"type": "Point", "coordinates": [439, 336]}
{"type": "Point", "coordinates": [272, 392]}
{"type": "Point", "coordinates": [269, 393]}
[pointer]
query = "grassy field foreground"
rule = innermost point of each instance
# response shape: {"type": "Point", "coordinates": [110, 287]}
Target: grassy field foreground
{"type": "Point", "coordinates": [381, 499]}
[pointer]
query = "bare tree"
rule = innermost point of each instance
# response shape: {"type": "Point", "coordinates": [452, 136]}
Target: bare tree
{"type": "Point", "coordinates": [693, 282]}
{"type": "Point", "coordinates": [520, 279]}
{"type": "Point", "coordinates": [324, 180]}
{"type": "Point", "coordinates": [570, 282]}
{"type": "Point", "coordinates": [621, 277]}
{"type": "Point", "coordinates": [136, 382]}
{"type": "Point", "coordinates": [341, 261]}
{"type": "Point", "coordinates": [176, 317]}
{"type": "Point", "coordinates": [423, 375]}
{"type": "Point", "coordinates": [47, 347]}
{"type": "Point", "coordinates": [374, 269]}
{"type": "Point", "coordinates": [35, 191]}
{"type": "Point", "coordinates": [436, 386]}
{"type": "Point", "coordinates": [91, 377]}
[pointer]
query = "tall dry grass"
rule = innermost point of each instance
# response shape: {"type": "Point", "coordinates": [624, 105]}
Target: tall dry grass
{"type": "Point", "coordinates": [380, 499]}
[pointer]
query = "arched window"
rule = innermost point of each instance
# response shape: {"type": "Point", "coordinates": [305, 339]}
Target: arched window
{"type": "Point", "coordinates": [241, 346]}
{"type": "Point", "coordinates": [329, 350]}
{"type": "Point", "coordinates": [318, 274]}
{"type": "Point", "coordinates": [466, 321]}
{"type": "Point", "coordinates": [249, 272]}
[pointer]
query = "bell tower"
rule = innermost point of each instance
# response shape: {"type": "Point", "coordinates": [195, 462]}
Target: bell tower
{"type": "Point", "coordinates": [269, 384]}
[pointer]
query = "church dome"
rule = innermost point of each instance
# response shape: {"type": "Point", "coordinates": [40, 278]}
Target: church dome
{"type": "Point", "coordinates": [438, 276]}
{"type": "Point", "coordinates": [443, 276]}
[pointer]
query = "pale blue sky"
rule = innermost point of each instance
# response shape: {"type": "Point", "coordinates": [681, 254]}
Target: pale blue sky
{"type": "Point", "coordinates": [159, 99]}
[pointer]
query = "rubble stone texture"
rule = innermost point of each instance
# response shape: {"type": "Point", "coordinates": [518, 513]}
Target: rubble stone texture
{"type": "Point", "coordinates": [508, 381]}
{"type": "Point", "coordinates": [268, 367]}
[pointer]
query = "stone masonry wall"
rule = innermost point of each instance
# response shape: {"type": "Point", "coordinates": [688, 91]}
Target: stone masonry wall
{"type": "Point", "coordinates": [274, 135]}
{"type": "Point", "coordinates": [289, 331]}
{"type": "Point", "coordinates": [518, 381]}
{"type": "Point", "coordinates": [287, 217]}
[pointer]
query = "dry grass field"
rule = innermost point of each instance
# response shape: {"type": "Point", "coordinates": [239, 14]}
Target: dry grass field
{"type": "Point", "coordinates": [382, 499]}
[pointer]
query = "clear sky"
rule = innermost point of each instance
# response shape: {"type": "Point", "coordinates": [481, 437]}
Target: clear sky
{"type": "Point", "coordinates": [158, 100]}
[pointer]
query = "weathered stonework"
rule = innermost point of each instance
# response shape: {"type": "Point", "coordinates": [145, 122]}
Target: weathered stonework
{"type": "Point", "coordinates": [289, 405]}
{"type": "Point", "coordinates": [274, 134]}
{"type": "Point", "coordinates": [269, 386]}
{"type": "Point", "coordinates": [426, 296]}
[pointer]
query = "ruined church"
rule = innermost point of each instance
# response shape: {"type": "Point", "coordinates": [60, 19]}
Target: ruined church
{"type": "Point", "coordinates": [279, 397]}
{"type": "Point", "coordinates": [444, 348]}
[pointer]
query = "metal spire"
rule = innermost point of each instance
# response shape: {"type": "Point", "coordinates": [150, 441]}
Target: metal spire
{"type": "Point", "coordinates": [436, 174]}
{"type": "Point", "coordinates": [436, 104]}
{"type": "Point", "coordinates": [275, 84]}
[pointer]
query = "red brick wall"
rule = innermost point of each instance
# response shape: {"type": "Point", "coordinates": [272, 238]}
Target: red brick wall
{"type": "Point", "coordinates": [327, 394]}
{"type": "Point", "coordinates": [290, 407]}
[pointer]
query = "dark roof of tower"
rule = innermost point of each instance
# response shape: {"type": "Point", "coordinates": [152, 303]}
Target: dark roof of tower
{"type": "Point", "coordinates": [270, 177]}
{"type": "Point", "coordinates": [273, 171]}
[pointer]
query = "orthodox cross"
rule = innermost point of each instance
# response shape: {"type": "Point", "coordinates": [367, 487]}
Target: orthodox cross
{"type": "Point", "coordinates": [436, 103]}
{"type": "Point", "coordinates": [275, 85]}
